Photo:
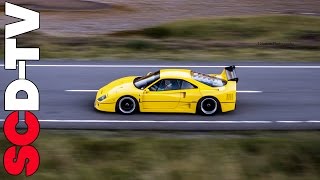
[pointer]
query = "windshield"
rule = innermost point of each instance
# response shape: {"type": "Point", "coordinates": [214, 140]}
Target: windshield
{"type": "Point", "coordinates": [208, 80]}
{"type": "Point", "coordinates": [143, 82]}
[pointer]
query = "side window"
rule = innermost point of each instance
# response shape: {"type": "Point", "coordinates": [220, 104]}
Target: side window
{"type": "Point", "coordinates": [166, 85]}
{"type": "Point", "coordinates": [187, 85]}
{"type": "Point", "coordinates": [156, 86]}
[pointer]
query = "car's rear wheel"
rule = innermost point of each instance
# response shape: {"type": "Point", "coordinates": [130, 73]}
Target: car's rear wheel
{"type": "Point", "coordinates": [127, 105]}
{"type": "Point", "coordinates": [208, 106]}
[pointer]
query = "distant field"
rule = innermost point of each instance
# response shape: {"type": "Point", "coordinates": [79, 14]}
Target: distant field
{"type": "Point", "coordinates": [81, 18]}
{"type": "Point", "coordinates": [277, 37]}
{"type": "Point", "coordinates": [59, 5]}
{"type": "Point", "coordinates": [270, 28]}
{"type": "Point", "coordinates": [90, 155]}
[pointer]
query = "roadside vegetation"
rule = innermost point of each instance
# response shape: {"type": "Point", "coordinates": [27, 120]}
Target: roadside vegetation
{"type": "Point", "coordinates": [277, 37]}
{"type": "Point", "coordinates": [176, 155]}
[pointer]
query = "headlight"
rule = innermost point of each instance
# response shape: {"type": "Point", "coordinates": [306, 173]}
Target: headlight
{"type": "Point", "coordinates": [102, 98]}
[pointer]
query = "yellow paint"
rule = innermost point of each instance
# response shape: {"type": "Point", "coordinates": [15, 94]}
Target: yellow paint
{"type": "Point", "coordinates": [178, 101]}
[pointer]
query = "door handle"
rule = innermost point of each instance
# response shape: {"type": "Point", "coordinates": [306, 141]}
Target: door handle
{"type": "Point", "coordinates": [184, 94]}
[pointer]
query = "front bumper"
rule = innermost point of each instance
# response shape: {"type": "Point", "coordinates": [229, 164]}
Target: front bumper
{"type": "Point", "coordinates": [107, 107]}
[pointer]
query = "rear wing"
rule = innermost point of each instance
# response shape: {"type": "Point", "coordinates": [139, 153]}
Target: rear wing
{"type": "Point", "coordinates": [229, 73]}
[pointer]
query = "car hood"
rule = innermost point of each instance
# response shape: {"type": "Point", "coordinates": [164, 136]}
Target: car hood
{"type": "Point", "coordinates": [117, 85]}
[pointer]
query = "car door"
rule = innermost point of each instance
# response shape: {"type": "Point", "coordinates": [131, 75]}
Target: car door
{"type": "Point", "coordinates": [190, 95]}
{"type": "Point", "coordinates": [164, 94]}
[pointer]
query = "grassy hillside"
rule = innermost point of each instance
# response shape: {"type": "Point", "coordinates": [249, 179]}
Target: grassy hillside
{"type": "Point", "coordinates": [155, 155]}
{"type": "Point", "coordinates": [284, 38]}
{"type": "Point", "coordinates": [280, 28]}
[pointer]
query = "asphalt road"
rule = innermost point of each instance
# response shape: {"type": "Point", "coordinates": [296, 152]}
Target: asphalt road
{"type": "Point", "coordinates": [289, 97]}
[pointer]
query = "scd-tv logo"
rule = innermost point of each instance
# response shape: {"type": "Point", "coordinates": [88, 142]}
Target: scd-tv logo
{"type": "Point", "coordinates": [21, 155]}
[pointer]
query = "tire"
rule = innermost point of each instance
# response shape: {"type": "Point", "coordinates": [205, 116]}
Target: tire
{"type": "Point", "coordinates": [127, 105]}
{"type": "Point", "coordinates": [208, 106]}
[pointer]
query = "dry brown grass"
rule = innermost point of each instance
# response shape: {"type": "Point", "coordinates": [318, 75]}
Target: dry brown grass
{"type": "Point", "coordinates": [185, 40]}
{"type": "Point", "coordinates": [129, 15]}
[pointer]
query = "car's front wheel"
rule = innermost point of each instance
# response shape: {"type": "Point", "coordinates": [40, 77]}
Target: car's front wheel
{"type": "Point", "coordinates": [127, 105]}
{"type": "Point", "coordinates": [208, 106]}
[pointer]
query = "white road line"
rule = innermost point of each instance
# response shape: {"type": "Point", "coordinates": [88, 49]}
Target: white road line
{"type": "Point", "coordinates": [291, 121]}
{"type": "Point", "coordinates": [174, 122]}
{"type": "Point", "coordinates": [148, 121]}
{"type": "Point", "coordinates": [72, 90]}
{"type": "Point", "coordinates": [163, 66]}
{"type": "Point", "coordinates": [76, 90]}
{"type": "Point", "coordinates": [313, 121]}
{"type": "Point", "coordinates": [249, 92]}
{"type": "Point", "coordinates": [153, 121]}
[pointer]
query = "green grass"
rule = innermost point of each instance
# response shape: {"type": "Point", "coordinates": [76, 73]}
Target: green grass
{"type": "Point", "coordinates": [237, 38]}
{"type": "Point", "coordinates": [238, 28]}
{"type": "Point", "coordinates": [156, 155]}
{"type": "Point", "coordinates": [213, 54]}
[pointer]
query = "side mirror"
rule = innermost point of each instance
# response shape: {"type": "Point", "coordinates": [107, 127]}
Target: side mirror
{"type": "Point", "coordinates": [146, 90]}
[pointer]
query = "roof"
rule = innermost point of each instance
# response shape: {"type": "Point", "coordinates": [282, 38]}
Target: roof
{"type": "Point", "coordinates": [175, 73]}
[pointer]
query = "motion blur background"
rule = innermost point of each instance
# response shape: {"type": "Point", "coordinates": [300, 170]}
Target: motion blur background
{"type": "Point", "coordinates": [176, 30]}
{"type": "Point", "coordinates": [287, 30]}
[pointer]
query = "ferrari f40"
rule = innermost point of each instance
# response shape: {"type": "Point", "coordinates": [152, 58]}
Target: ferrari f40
{"type": "Point", "coordinates": [171, 91]}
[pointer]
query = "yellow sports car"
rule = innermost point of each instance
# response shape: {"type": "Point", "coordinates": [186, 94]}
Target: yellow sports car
{"type": "Point", "coordinates": [170, 91]}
